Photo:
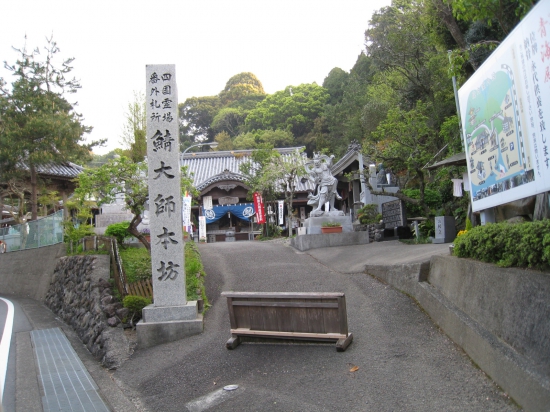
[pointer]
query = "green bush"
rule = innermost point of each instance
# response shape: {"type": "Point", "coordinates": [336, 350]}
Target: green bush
{"type": "Point", "coordinates": [432, 198]}
{"type": "Point", "coordinates": [74, 233]}
{"type": "Point", "coordinates": [135, 305]}
{"type": "Point", "coordinates": [369, 215]}
{"type": "Point", "coordinates": [524, 244]}
{"type": "Point", "coordinates": [119, 231]}
{"type": "Point", "coordinates": [194, 274]}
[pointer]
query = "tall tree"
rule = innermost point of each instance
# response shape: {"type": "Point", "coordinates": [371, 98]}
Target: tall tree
{"type": "Point", "coordinates": [270, 173]}
{"type": "Point", "coordinates": [506, 13]}
{"type": "Point", "coordinates": [133, 134]}
{"type": "Point", "coordinates": [335, 83]}
{"type": "Point", "coordinates": [38, 124]}
{"type": "Point", "coordinates": [195, 116]}
{"type": "Point", "coordinates": [240, 86]}
{"type": "Point", "coordinates": [410, 99]}
{"type": "Point", "coordinates": [342, 120]}
{"type": "Point", "coordinates": [293, 109]}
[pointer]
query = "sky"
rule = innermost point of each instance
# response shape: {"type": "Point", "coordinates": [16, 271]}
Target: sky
{"type": "Point", "coordinates": [283, 42]}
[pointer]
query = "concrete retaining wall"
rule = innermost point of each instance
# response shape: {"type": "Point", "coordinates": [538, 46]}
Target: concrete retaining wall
{"type": "Point", "coordinates": [306, 242]}
{"type": "Point", "coordinates": [29, 272]}
{"type": "Point", "coordinates": [500, 317]}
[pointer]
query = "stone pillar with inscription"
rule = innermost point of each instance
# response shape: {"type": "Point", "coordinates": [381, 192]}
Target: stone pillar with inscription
{"type": "Point", "coordinates": [171, 316]}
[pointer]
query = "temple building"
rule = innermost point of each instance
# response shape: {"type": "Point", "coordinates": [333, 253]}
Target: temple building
{"type": "Point", "coordinates": [218, 178]}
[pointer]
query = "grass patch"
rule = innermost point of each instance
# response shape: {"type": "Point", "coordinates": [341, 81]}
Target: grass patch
{"type": "Point", "coordinates": [137, 266]}
{"type": "Point", "coordinates": [136, 263]}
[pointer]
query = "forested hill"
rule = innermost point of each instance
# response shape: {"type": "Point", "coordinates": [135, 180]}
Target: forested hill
{"type": "Point", "coordinates": [397, 100]}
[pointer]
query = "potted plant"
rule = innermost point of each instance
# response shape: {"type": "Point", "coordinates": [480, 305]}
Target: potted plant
{"type": "Point", "coordinates": [147, 233]}
{"type": "Point", "coordinates": [331, 227]}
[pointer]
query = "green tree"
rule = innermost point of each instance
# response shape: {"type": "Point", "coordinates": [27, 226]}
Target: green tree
{"type": "Point", "coordinates": [38, 124]}
{"type": "Point", "coordinates": [270, 173]}
{"type": "Point", "coordinates": [342, 120]}
{"type": "Point", "coordinates": [335, 83]}
{"type": "Point", "coordinates": [240, 86]}
{"type": "Point", "coordinates": [405, 143]}
{"type": "Point", "coordinates": [196, 115]}
{"type": "Point", "coordinates": [224, 141]}
{"type": "Point", "coordinates": [261, 138]}
{"type": "Point", "coordinates": [293, 109]}
{"type": "Point", "coordinates": [118, 176]}
{"type": "Point", "coordinates": [133, 134]}
{"type": "Point", "coordinates": [229, 120]}
{"type": "Point", "coordinates": [123, 176]}
{"type": "Point", "coordinates": [506, 13]}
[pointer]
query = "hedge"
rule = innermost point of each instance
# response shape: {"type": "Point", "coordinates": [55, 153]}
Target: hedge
{"type": "Point", "coordinates": [524, 244]}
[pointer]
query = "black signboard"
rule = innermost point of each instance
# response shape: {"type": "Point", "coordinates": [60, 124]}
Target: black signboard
{"type": "Point", "coordinates": [393, 214]}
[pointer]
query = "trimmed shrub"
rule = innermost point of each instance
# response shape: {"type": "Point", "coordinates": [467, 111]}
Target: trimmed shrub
{"type": "Point", "coordinates": [135, 305]}
{"type": "Point", "coordinates": [119, 231]}
{"type": "Point", "coordinates": [369, 215]}
{"type": "Point", "coordinates": [524, 244]}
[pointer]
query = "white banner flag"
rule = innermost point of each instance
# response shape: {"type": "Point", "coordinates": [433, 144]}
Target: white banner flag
{"type": "Point", "coordinates": [202, 228]}
{"type": "Point", "coordinates": [186, 213]}
{"type": "Point", "coordinates": [281, 212]}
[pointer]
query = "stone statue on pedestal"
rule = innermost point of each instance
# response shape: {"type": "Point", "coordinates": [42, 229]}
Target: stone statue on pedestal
{"type": "Point", "coordinates": [319, 173]}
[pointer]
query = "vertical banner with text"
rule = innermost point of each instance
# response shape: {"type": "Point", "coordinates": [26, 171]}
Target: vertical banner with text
{"type": "Point", "coordinates": [165, 204]}
{"type": "Point", "coordinates": [259, 208]}
{"type": "Point", "coordinates": [281, 212]}
{"type": "Point", "coordinates": [187, 213]}
{"type": "Point", "coordinates": [202, 228]}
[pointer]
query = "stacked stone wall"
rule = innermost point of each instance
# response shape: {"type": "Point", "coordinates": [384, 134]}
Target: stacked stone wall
{"type": "Point", "coordinates": [81, 295]}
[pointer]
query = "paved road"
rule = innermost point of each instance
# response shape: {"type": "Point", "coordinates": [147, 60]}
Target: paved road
{"type": "Point", "coordinates": [405, 362]}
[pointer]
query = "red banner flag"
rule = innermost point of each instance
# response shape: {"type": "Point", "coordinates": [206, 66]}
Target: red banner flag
{"type": "Point", "coordinates": [259, 208]}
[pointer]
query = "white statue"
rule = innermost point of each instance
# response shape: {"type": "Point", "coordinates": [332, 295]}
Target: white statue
{"type": "Point", "coordinates": [320, 174]}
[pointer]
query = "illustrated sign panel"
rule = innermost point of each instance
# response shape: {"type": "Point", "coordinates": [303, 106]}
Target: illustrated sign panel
{"type": "Point", "coordinates": [505, 107]}
{"type": "Point", "coordinates": [167, 257]}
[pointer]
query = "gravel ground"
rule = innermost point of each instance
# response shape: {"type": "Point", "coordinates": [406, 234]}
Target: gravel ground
{"type": "Point", "coordinates": [405, 363]}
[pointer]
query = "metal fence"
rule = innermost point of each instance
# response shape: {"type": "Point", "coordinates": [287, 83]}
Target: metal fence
{"type": "Point", "coordinates": [45, 231]}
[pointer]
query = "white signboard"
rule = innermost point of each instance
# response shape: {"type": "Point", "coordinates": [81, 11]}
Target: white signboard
{"type": "Point", "coordinates": [505, 107]}
{"type": "Point", "coordinates": [207, 202]}
{"type": "Point", "coordinates": [202, 228]}
{"type": "Point", "coordinates": [281, 211]}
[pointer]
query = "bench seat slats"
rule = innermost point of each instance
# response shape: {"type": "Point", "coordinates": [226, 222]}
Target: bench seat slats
{"type": "Point", "coordinates": [288, 335]}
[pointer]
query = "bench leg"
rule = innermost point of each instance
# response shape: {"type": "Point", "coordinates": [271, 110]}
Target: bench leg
{"type": "Point", "coordinates": [233, 342]}
{"type": "Point", "coordinates": [342, 344]}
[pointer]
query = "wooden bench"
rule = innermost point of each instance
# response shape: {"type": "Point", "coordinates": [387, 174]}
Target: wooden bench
{"type": "Point", "coordinates": [282, 315]}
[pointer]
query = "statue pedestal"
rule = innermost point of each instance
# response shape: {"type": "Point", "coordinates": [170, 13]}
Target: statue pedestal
{"type": "Point", "coordinates": [314, 224]}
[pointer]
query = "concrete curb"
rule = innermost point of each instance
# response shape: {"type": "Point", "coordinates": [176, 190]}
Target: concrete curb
{"type": "Point", "coordinates": [306, 242]}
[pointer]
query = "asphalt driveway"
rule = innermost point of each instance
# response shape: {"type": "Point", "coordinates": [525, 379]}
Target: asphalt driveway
{"type": "Point", "coordinates": [405, 363]}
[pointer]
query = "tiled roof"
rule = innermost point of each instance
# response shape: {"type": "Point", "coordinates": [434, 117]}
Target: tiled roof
{"type": "Point", "coordinates": [211, 167]}
{"type": "Point", "coordinates": [347, 159]}
{"type": "Point", "coordinates": [65, 169]}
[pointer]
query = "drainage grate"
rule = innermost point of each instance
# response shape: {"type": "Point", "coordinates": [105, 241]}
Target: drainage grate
{"type": "Point", "coordinates": [66, 384]}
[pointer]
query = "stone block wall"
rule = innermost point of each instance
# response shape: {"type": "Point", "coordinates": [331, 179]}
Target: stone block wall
{"type": "Point", "coordinates": [81, 295]}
